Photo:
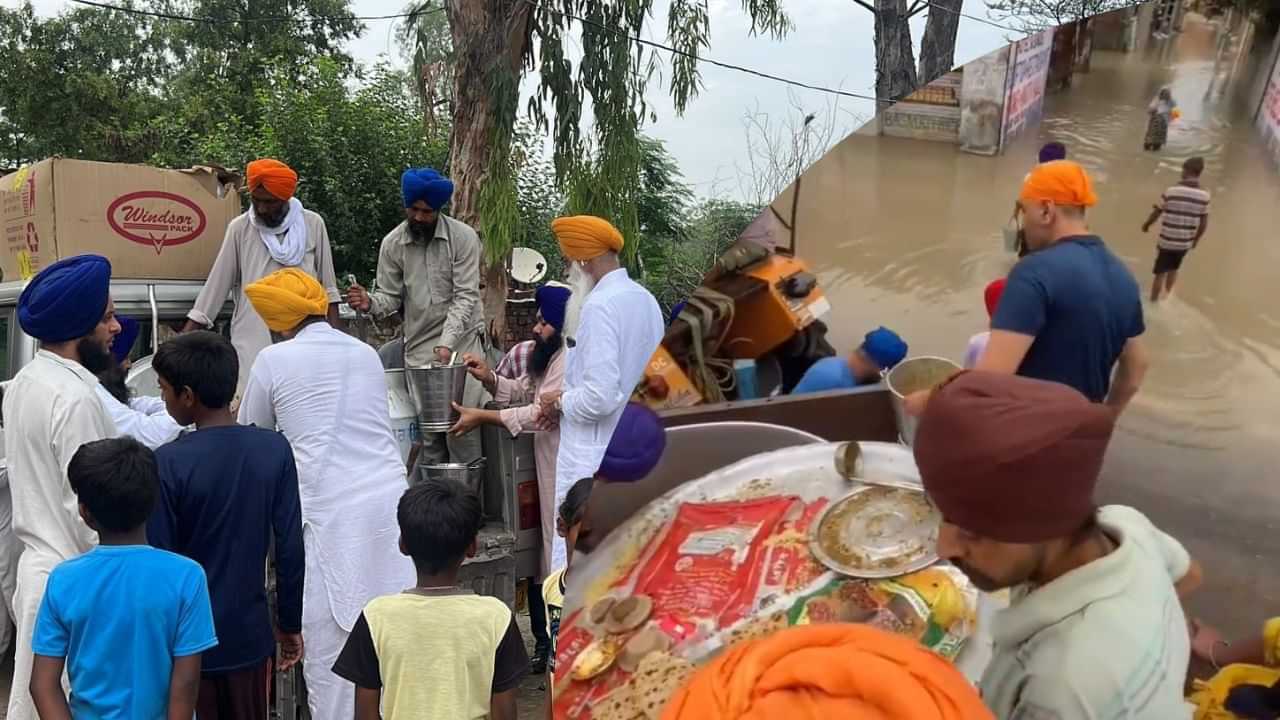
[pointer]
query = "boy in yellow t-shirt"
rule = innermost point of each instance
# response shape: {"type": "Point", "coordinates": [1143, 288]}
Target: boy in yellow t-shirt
{"type": "Point", "coordinates": [436, 650]}
{"type": "Point", "coordinates": [569, 523]}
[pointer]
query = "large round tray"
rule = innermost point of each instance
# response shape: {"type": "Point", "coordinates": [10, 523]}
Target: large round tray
{"type": "Point", "coordinates": [808, 471]}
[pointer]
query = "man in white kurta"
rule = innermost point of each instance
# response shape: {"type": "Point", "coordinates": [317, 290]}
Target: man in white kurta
{"type": "Point", "coordinates": [276, 232]}
{"type": "Point", "coordinates": [613, 332]}
{"type": "Point", "coordinates": [51, 409]}
{"type": "Point", "coordinates": [326, 391]}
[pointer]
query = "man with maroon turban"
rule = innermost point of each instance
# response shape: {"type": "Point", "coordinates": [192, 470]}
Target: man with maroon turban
{"type": "Point", "coordinates": [1095, 627]}
{"type": "Point", "coordinates": [276, 232]}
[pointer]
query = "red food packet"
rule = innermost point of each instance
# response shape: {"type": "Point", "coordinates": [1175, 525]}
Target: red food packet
{"type": "Point", "coordinates": [708, 567]}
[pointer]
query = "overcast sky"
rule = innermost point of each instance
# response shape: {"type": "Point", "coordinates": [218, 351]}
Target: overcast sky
{"type": "Point", "coordinates": [830, 45]}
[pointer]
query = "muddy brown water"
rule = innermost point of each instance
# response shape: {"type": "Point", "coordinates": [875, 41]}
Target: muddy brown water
{"type": "Point", "coordinates": [908, 233]}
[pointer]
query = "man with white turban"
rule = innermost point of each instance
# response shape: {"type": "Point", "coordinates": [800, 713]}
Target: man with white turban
{"type": "Point", "coordinates": [53, 408]}
{"type": "Point", "coordinates": [612, 326]}
{"type": "Point", "coordinates": [326, 391]}
{"type": "Point", "coordinates": [276, 232]}
{"type": "Point", "coordinates": [429, 272]}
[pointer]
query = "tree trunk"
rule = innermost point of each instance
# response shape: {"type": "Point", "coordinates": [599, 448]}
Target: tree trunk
{"type": "Point", "coordinates": [938, 46]}
{"type": "Point", "coordinates": [490, 37]}
{"type": "Point", "coordinates": [895, 61]}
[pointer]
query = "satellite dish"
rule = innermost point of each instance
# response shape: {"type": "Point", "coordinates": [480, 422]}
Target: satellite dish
{"type": "Point", "coordinates": [527, 265]}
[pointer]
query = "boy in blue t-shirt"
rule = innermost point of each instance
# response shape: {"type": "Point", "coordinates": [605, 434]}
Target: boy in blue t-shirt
{"type": "Point", "coordinates": [880, 350]}
{"type": "Point", "coordinates": [127, 620]}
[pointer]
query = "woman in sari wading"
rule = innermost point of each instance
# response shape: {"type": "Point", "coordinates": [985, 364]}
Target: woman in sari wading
{"type": "Point", "coordinates": [1162, 110]}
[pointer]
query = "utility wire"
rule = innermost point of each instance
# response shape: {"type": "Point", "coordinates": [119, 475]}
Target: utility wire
{"type": "Point", "coordinates": [260, 18]}
{"type": "Point", "coordinates": [600, 26]}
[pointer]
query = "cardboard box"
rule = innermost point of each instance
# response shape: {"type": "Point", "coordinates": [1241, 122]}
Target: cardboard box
{"type": "Point", "coordinates": [150, 223]}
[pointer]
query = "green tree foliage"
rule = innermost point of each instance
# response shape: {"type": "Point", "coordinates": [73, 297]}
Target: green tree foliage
{"type": "Point", "coordinates": [85, 84]}
{"type": "Point", "coordinates": [348, 147]}
{"type": "Point", "coordinates": [224, 60]}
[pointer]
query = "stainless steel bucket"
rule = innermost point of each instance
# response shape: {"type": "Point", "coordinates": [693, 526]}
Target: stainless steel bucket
{"type": "Point", "coordinates": [470, 475]}
{"type": "Point", "coordinates": [433, 390]}
{"type": "Point", "coordinates": [912, 375]}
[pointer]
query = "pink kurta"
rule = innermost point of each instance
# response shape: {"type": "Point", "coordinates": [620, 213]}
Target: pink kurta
{"type": "Point", "coordinates": [526, 389]}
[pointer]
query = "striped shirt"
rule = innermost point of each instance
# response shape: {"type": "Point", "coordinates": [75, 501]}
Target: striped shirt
{"type": "Point", "coordinates": [1184, 207]}
{"type": "Point", "coordinates": [516, 362]}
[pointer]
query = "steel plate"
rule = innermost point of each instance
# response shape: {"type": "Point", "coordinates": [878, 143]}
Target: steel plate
{"type": "Point", "coordinates": [877, 531]}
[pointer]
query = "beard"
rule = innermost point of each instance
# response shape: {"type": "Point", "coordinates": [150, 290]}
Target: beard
{"type": "Point", "coordinates": [580, 284]}
{"type": "Point", "coordinates": [93, 356]}
{"type": "Point", "coordinates": [113, 379]}
{"type": "Point", "coordinates": [983, 582]}
{"type": "Point", "coordinates": [543, 351]}
{"type": "Point", "coordinates": [421, 230]}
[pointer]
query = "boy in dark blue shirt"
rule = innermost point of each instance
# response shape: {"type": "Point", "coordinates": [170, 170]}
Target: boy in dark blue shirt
{"type": "Point", "coordinates": [127, 621]}
{"type": "Point", "coordinates": [226, 491]}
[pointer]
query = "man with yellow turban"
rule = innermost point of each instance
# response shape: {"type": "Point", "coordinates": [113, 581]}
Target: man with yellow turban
{"type": "Point", "coordinates": [275, 232]}
{"type": "Point", "coordinates": [1071, 311]}
{"type": "Point", "coordinates": [429, 272]}
{"type": "Point", "coordinates": [326, 391]}
{"type": "Point", "coordinates": [612, 326]}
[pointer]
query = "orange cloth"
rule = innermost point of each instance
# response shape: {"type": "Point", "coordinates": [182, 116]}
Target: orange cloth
{"type": "Point", "coordinates": [279, 179]}
{"type": "Point", "coordinates": [828, 672]}
{"type": "Point", "coordinates": [1062, 182]}
{"type": "Point", "coordinates": [287, 297]}
{"type": "Point", "coordinates": [586, 237]}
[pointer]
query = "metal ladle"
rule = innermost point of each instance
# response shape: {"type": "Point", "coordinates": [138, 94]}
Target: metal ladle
{"type": "Point", "coordinates": [851, 466]}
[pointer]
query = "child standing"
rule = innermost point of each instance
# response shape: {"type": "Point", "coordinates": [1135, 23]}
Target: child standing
{"type": "Point", "coordinates": [978, 343]}
{"type": "Point", "coordinates": [227, 490]}
{"type": "Point", "coordinates": [1185, 211]}
{"type": "Point", "coordinates": [435, 650]}
{"type": "Point", "coordinates": [127, 621]}
{"type": "Point", "coordinates": [572, 516]}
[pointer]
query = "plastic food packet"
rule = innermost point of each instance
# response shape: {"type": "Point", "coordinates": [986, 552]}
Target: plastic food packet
{"type": "Point", "coordinates": [708, 566]}
{"type": "Point", "coordinates": [936, 606]}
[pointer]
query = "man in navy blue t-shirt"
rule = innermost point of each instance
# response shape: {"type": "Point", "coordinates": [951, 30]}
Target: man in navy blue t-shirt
{"type": "Point", "coordinates": [1071, 311]}
{"type": "Point", "coordinates": [226, 492]}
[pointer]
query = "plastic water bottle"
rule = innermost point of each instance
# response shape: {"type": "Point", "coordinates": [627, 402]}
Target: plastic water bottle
{"type": "Point", "coordinates": [745, 370]}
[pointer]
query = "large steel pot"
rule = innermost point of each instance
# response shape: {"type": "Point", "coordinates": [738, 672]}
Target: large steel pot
{"type": "Point", "coordinates": [433, 391]}
{"type": "Point", "coordinates": [913, 375]}
{"type": "Point", "coordinates": [471, 475]}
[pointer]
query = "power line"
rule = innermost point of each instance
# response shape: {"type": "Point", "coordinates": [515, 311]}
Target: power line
{"type": "Point", "coordinates": [975, 18]}
{"type": "Point", "coordinates": [696, 58]}
{"type": "Point", "coordinates": [261, 18]}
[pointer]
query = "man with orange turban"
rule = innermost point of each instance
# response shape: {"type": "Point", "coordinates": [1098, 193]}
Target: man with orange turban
{"type": "Point", "coordinates": [828, 672]}
{"type": "Point", "coordinates": [429, 272]}
{"type": "Point", "coordinates": [1071, 311]}
{"type": "Point", "coordinates": [326, 392]}
{"type": "Point", "coordinates": [275, 232]}
{"type": "Point", "coordinates": [612, 327]}
{"type": "Point", "coordinates": [1095, 627]}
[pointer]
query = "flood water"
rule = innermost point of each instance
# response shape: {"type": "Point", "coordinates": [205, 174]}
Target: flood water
{"type": "Point", "coordinates": [906, 234]}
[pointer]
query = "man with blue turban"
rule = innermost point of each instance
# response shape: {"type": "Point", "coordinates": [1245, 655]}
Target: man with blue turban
{"type": "Point", "coordinates": [880, 350]}
{"type": "Point", "coordinates": [543, 373]}
{"type": "Point", "coordinates": [429, 272]}
{"type": "Point", "coordinates": [143, 418]}
{"type": "Point", "coordinates": [54, 408]}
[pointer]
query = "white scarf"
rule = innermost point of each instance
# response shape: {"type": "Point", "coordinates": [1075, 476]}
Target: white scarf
{"type": "Point", "coordinates": [287, 243]}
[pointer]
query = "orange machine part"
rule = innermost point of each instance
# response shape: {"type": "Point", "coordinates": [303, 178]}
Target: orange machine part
{"type": "Point", "coordinates": [666, 384]}
{"type": "Point", "coordinates": [764, 320]}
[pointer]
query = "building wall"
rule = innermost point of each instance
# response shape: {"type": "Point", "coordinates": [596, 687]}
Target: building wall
{"type": "Point", "coordinates": [982, 97]}
{"type": "Point", "coordinates": [930, 113]}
